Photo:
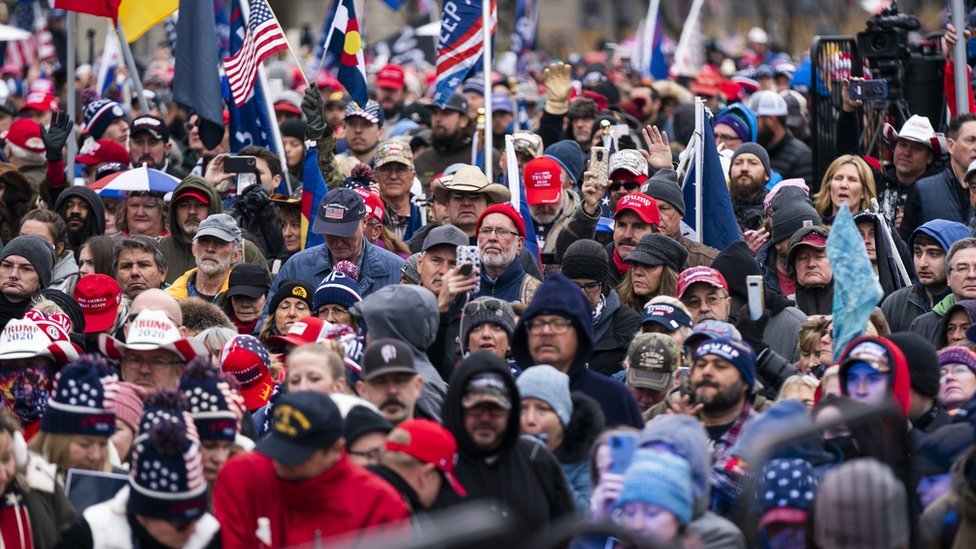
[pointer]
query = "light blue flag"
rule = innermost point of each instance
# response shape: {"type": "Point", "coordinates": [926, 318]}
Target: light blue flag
{"type": "Point", "coordinates": [856, 287]}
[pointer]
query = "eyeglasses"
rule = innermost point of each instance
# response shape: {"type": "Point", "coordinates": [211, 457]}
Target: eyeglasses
{"type": "Point", "coordinates": [155, 364]}
{"type": "Point", "coordinates": [558, 326]}
{"type": "Point", "coordinates": [491, 305]}
{"type": "Point", "coordinates": [590, 286]}
{"type": "Point", "coordinates": [964, 269]}
{"type": "Point", "coordinates": [726, 137]}
{"type": "Point", "coordinates": [713, 300]}
{"type": "Point", "coordinates": [957, 371]}
{"type": "Point", "coordinates": [501, 233]}
{"type": "Point", "coordinates": [372, 456]}
{"type": "Point", "coordinates": [473, 197]}
{"type": "Point", "coordinates": [628, 186]}
{"type": "Point", "coordinates": [335, 312]}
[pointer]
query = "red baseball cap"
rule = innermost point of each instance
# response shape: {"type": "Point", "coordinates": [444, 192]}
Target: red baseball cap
{"type": "Point", "coordinates": [193, 193]}
{"type": "Point", "coordinates": [245, 358]}
{"type": "Point", "coordinates": [391, 76]}
{"type": "Point", "coordinates": [429, 442]}
{"type": "Point", "coordinates": [374, 204]}
{"type": "Point", "coordinates": [26, 134]}
{"type": "Point", "coordinates": [103, 150]}
{"type": "Point", "coordinates": [644, 206]}
{"type": "Point", "coordinates": [707, 275]}
{"type": "Point", "coordinates": [283, 105]}
{"type": "Point", "coordinates": [543, 181]}
{"type": "Point", "coordinates": [99, 297]}
{"type": "Point", "coordinates": [307, 330]}
{"type": "Point", "coordinates": [507, 210]}
{"type": "Point", "coordinates": [40, 101]}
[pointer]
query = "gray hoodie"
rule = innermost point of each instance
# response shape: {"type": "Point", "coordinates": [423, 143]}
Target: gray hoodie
{"type": "Point", "coordinates": [408, 313]}
{"type": "Point", "coordinates": [65, 274]}
{"type": "Point", "coordinates": [687, 438]}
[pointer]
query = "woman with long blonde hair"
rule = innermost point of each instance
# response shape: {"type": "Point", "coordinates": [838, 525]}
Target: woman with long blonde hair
{"type": "Point", "coordinates": [848, 180]}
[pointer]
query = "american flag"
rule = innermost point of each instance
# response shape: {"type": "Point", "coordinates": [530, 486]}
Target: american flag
{"type": "Point", "coordinates": [20, 55]}
{"type": "Point", "coordinates": [262, 38]}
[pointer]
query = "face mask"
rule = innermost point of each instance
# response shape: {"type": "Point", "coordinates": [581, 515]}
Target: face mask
{"type": "Point", "coordinates": [25, 392]}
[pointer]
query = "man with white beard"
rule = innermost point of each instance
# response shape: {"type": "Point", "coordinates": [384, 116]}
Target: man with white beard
{"type": "Point", "coordinates": [217, 247]}
{"type": "Point", "coordinates": [501, 236]}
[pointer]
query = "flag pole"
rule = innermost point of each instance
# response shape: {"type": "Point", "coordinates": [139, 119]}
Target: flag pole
{"type": "Point", "coordinates": [298, 61]}
{"type": "Point", "coordinates": [647, 39]}
{"type": "Point", "coordinates": [70, 92]}
{"type": "Point", "coordinates": [133, 70]}
{"type": "Point", "coordinates": [325, 45]}
{"type": "Point", "coordinates": [486, 37]}
{"type": "Point", "coordinates": [699, 167]}
{"type": "Point", "coordinates": [269, 105]}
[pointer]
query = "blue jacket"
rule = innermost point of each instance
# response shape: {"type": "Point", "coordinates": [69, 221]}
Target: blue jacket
{"type": "Point", "coordinates": [379, 268]}
{"type": "Point", "coordinates": [506, 287]}
{"type": "Point", "coordinates": [561, 296]}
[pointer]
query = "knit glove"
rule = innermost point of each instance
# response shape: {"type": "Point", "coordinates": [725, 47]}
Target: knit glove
{"type": "Point", "coordinates": [752, 330]}
{"type": "Point", "coordinates": [605, 494]}
{"type": "Point", "coordinates": [558, 87]}
{"type": "Point", "coordinates": [315, 126]}
{"type": "Point", "coordinates": [56, 136]}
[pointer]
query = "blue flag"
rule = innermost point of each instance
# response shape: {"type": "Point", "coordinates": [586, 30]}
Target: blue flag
{"type": "Point", "coordinates": [196, 80]}
{"type": "Point", "coordinates": [523, 39]}
{"type": "Point", "coordinates": [250, 124]}
{"type": "Point", "coordinates": [856, 287]}
{"type": "Point", "coordinates": [461, 44]}
{"type": "Point", "coordinates": [658, 68]}
{"type": "Point", "coordinates": [313, 190]}
{"type": "Point", "coordinates": [395, 4]}
{"type": "Point", "coordinates": [720, 227]}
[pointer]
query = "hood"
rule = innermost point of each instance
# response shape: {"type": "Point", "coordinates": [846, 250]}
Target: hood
{"type": "Point", "coordinates": [95, 222]}
{"type": "Point", "coordinates": [451, 412]}
{"type": "Point", "coordinates": [780, 420]}
{"type": "Point", "coordinates": [900, 380]}
{"type": "Point", "coordinates": [405, 312]}
{"type": "Point", "coordinates": [198, 184]}
{"type": "Point", "coordinates": [558, 295]}
{"type": "Point", "coordinates": [942, 307]}
{"type": "Point", "coordinates": [687, 438]}
{"type": "Point", "coordinates": [946, 233]}
{"type": "Point", "coordinates": [967, 305]}
{"type": "Point", "coordinates": [735, 263]}
{"type": "Point", "coordinates": [586, 423]}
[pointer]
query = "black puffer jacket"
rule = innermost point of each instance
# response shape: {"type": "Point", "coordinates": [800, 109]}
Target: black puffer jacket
{"type": "Point", "coordinates": [613, 333]}
{"type": "Point", "coordinates": [793, 158]}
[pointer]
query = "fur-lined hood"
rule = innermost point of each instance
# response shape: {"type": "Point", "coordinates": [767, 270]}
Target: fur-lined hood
{"type": "Point", "coordinates": [585, 425]}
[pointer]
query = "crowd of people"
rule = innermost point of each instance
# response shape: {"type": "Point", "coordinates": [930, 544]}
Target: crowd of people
{"type": "Point", "coordinates": [603, 386]}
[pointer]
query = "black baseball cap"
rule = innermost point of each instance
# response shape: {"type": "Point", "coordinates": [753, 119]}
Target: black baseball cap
{"type": "Point", "coordinates": [153, 125]}
{"type": "Point", "coordinates": [339, 213]}
{"type": "Point", "coordinates": [304, 422]}
{"type": "Point", "coordinates": [445, 234]}
{"type": "Point", "coordinates": [387, 356]}
{"type": "Point", "coordinates": [250, 280]}
{"type": "Point", "coordinates": [457, 103]}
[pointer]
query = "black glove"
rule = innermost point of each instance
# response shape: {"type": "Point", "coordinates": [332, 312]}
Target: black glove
{"type": "Point", "coordinates": [255, 199]}
{"type": "Point", "coordinates": [56, 136]}
{"type": "Point", "coordinates": [752, 330]}
{"type": "Point", "coordinates": [315, 126]}
{"type": "Point", "coordinates": [775, 301]}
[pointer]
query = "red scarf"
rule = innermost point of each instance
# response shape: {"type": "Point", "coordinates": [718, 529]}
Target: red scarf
{"type": "Point", "coordinates": [15, 528]}
{"type": "Point", "coordinates": [243, 328]}
{"type": "Point", "coordinates": [618, 262]}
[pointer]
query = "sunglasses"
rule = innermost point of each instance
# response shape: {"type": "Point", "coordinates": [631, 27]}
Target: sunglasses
{"type": "Point", "coordinates": [628, 186]}
{"type": "Point", "coordinates": [495, 306]}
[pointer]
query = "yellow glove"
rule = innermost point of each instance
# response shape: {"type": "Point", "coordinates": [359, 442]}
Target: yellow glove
{"type": "Point", "coordinates": [558, 87]}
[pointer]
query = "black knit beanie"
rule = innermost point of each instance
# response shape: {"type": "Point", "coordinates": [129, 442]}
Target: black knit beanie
{"type": "Point", "coordinates": [586, 259]}
{"type": "Point", "coordinates": [293, 128]}
{"type": "Point", "coordinates": [923, 362]}
{"type": "Point", "coordinates": [486, 310]}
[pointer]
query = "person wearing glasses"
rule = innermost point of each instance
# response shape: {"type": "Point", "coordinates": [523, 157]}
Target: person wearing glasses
{"type": "Point", "coordinates": [155, 353]}
{"type": "Point", "coordinates": [395, 174]}
{"type": "Point", "coordinates": [557, 329]}
{"type": "Point", "coordinates": [960, 264]}
{"type": "Point", "coordinates": [501, 237]}
{"type": "Point", "coordinates": [734, 125]}
{"type": "Point", "coordinates": [810, 268]}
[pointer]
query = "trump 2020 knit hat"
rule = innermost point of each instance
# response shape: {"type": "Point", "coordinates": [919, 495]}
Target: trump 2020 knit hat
{"type": "Point", "coordinates": [79, 405]}
{"type": "Point", "coordinates": [215, 406]}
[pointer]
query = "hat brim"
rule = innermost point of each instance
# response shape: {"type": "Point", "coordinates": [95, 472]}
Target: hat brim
{"type": "Point", "coordinates": [99, 322]}
{"type": "Point", "coordinates": [216, 233]}
{"type": "Point", "coordinates": [186, 349]}
{"type": "Point", "coordinates": [389, 370]}
{"type": "Point", "coordinates": [256, 396]}
{"type": "Point", "coordinates": [543, 196]}
{"type": "Point", "coordinates": [786, 515]}
{"type": "Point", "coordinates": [284, 451]}
{"type": "Point", "coordinates": [344, 229]}
{"type": "Point", "coordinates": [152, 132]}
{"type": "Point", "coordinates": [279, 341]}
{"type": "Point", "coordinates": [668, 324]}
{"type": "Point", "coordinates": [253, 292]}
{"type": "Point", "coordinates": [390, 84]}
{"type": "Point", "coordinates": [643, 258]}
{"type": "Point", "coordinates": [647, 379]}
{"type": "Point", "coordinates": [471, 401]}
{"type": "Point", "coordinates": [452, 481]}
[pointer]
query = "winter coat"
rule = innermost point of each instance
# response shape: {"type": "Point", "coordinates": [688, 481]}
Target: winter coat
{"type": "Point", "coordinates": [94, 225]}
{"type": "Point", "coordinates": [432, 161]}
{"type": "Point", "coordinates": [176, 250]}
{"type": "Point", "coordinates": [559, 295]}
{"type": "Point", "coordinates": [905, 305]}
{"type": "Point", "coordinates": [938, 196]}
{"type": "Point", "coordinates": [522, 474]}
{"type": "Point", "coordinates": [579, 225]}
{"type": "Point", "coordinates": [699, 255]}
{"type": "Point", "coordinates": [256, 216]}
{"type": "Point", "coordinates": [750, 214]}
{"type": "Point", "coordinates": [185, 286]}
{"type": "Point", "coordinates": [793, 158]}
{"type": "Point", "coordinates": [966, 305]}
{"type": "Point", "coordinates": [345, 498]}
{"type": "Point", "coordinates": [815, 301]}
{"type": "Point", "coordinates": [940, 522]}
{"type": "Point", "coordinates": [585, 425]}
{"type": "Point", "coordinates": [409, 313]}
{"type": "Point", "coordinates": [929, 325]}
{"type": "Point", "coordinates": [48, 508]}
{"type": "Point", "coordinates": [65, 274]}
{"type": "Point", "coordinates": [513, 284]}
{"type": "Point", "coordinates": [378, 268]}
{"type": "Point", "coordinates": [550, 233]}
{"type": "Point", "coordinates": [613, 333]}
{"type": "Point", "coordinates": [107, 526]}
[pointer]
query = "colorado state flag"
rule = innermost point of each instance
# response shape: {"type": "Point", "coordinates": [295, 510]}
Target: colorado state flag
{"type": "Point", "coordinates": [346, 44]}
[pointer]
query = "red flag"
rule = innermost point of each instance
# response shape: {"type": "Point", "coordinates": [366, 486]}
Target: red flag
{"type": "Point", "coordinates": [100, 8]}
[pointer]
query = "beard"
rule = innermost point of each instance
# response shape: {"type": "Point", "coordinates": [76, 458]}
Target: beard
{"type": "Point", "coordinates": [764, 135]}
{"type": "Point", "coordinates": [745, 189]}
{"type": "Point", "coordinates": [212, 265]}
{"type": "Point", "coordinates": [721, 400]}
{"type": "Point", "coordinates": [499, 260]}
{"type": "Point", "coordinates": [444, 141]}
{"type": "Point", "coordinates": [191, 225]}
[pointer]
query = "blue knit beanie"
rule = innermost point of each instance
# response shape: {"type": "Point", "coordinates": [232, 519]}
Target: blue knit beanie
{"type": "Point", "coordinates": [570, 156]}
{"type": "Point", "coordinates": [78, 406]}
{"type": "Point", "coordinates": [736, 351]}
{"type": "Point", "coordinates": [550, 386]}
{"type": "Point", "coordinates": [656, 478]}
{"type": "Point", "coordinates": [216, 407]}
{"type": "Point", "coordinates": [336, 289]}
{"type": "Point", "coordinates": [99, 114]}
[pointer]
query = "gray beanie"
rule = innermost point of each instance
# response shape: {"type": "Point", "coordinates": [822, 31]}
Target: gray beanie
{"type": "Point", "coordinates": [663, 185]}
{"type": "Point", "coordinates": [861, 504]}
{"type": "Point", "coordinates": [789, 220]}
{"type": "Point", "coordinates": [756, 149]}
{"type": "Point", "coordinates": [37, 251]}
{"type": "Point", "coordinates": [486, 310]}
{"type": "Point", "coordinates": [548, 385]}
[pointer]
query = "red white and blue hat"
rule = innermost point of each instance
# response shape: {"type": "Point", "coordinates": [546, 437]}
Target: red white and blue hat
{"type": "Point", "coordinates": [79, 405]}
{"type": "Point", "coordinates": [149, 331]}
{"type": "Point", "coordinates": [215, 406]}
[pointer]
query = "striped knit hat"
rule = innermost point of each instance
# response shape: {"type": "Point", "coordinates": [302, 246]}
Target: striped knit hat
{"type": "Point", "coordinates": [79, 405]}
{"type": "Point", "coordinates": [99, 114]}
{"type": "Point", "coordinates": [338, 288]}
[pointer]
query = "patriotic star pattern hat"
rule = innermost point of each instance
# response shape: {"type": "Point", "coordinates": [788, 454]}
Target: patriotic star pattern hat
{"type": "Point", "coordinates": [215, 406]}
{"type": "Point", "coordinates": [166, 477]}
{"type": "Point", "coordinates": [79, 404]}
{"type": "Point", "coordinates": [149, 331]}
{"type": "Point", "coordinates": [247, 359]}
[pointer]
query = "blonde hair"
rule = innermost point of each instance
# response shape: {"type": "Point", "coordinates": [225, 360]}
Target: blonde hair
{"type": "Point", "coordinates": [821, 200]}
{"type": "Point", "coordinates": [325, 349]}
{"type": "Point", "coordinates": [799, 380]}
{"type": "Point", "coordinates": [811, 331]}
{"type": "Point", "coordinates": [55, 447]}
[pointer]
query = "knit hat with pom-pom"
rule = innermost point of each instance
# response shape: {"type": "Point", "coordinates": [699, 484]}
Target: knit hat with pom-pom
{"type": "Point", "coordinates": [79, 405]}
